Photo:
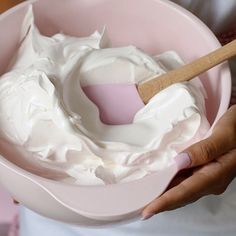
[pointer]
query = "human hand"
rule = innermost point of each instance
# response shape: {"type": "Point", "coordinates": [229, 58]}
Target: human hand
{"type": "Point", "coordinates": [213, 167]}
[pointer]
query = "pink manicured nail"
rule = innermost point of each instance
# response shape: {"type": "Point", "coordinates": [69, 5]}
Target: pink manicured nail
{"type": "Point", "coordinates": [183, 161]}
{"type": "Point", "coordinates": [147, 216]}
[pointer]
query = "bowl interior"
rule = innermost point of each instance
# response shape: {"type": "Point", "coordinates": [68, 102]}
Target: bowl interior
{"type": "Point", "coordinates": [154, 26]}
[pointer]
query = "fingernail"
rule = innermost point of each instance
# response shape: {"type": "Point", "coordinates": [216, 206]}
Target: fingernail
{"type": "Point", "coordinates": [147, 216]}
{"type": "Point", "coordinates": [183, 160]}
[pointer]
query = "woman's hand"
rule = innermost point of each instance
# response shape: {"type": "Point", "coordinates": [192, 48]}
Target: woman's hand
{"type": "Point", "coordinates": [213, 167]}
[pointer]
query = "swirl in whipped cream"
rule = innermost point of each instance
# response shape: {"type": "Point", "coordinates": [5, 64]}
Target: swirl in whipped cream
{"type": "Point", "coordinates": [44, 110]}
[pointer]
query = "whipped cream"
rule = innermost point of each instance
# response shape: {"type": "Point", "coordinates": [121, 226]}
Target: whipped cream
{"type": "Point", "coordinates": [45, 112]}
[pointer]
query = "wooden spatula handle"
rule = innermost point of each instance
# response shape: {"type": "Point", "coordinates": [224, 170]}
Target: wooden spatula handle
{"type": "Point", "coordinates": [148, 89]}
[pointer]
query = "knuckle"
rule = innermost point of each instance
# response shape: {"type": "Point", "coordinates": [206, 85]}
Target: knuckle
{"type": "Point", "coordinates": [219, 190]}
{"type": "Point", "coordinates": [231, 122]}
{"type": "Point", "coordinates": [233, 109]}
{"type": "Point", "coordinates": [221, 187]}
{"type": "Point", "coordinates": [203, 152]}
{"type": "Point", "coordinates": [230, 131]}
{"type": "Point", "coordinates": [233, 135]}
{"type": "Point", "coordinates": [207, 151]}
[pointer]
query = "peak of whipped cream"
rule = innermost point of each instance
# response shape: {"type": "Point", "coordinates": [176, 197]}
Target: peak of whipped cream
{"type": "Point", "coordinates": [45, 113]}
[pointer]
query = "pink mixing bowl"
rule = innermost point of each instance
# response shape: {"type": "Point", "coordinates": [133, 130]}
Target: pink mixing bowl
{"type": "Point", "coordinates": [154, 26]}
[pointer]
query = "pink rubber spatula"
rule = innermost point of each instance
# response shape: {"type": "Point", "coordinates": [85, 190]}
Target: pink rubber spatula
{"type": "Point", "coordinates": [187, 72]}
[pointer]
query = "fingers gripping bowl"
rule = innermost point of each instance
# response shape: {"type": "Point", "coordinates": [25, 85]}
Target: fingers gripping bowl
{"type": "Point", "coordinates": [110, 204]}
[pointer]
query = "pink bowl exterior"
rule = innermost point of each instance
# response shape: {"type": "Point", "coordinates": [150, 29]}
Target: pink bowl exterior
{"type": "Point", "coordinates": [154, 26]}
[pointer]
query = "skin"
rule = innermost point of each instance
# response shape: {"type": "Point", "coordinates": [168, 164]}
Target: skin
{"type": "Point", "coordinates": [213, 167]}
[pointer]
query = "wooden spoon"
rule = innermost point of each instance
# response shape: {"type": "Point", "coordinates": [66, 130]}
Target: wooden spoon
{"type": "Point", "coordinates": [187, 72]}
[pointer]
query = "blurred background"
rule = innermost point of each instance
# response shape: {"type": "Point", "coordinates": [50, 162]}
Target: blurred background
{"type": "Point", "coordinates": [6, 4]}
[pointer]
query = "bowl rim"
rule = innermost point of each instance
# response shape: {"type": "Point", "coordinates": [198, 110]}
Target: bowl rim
{"type": "Point", "coordinates": [224, 71]}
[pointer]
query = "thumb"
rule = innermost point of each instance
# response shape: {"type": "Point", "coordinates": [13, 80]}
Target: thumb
{"type": "Point", "coordinates": [221, 141]}
{"type": "Point", "coordinates": [208, 149]}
